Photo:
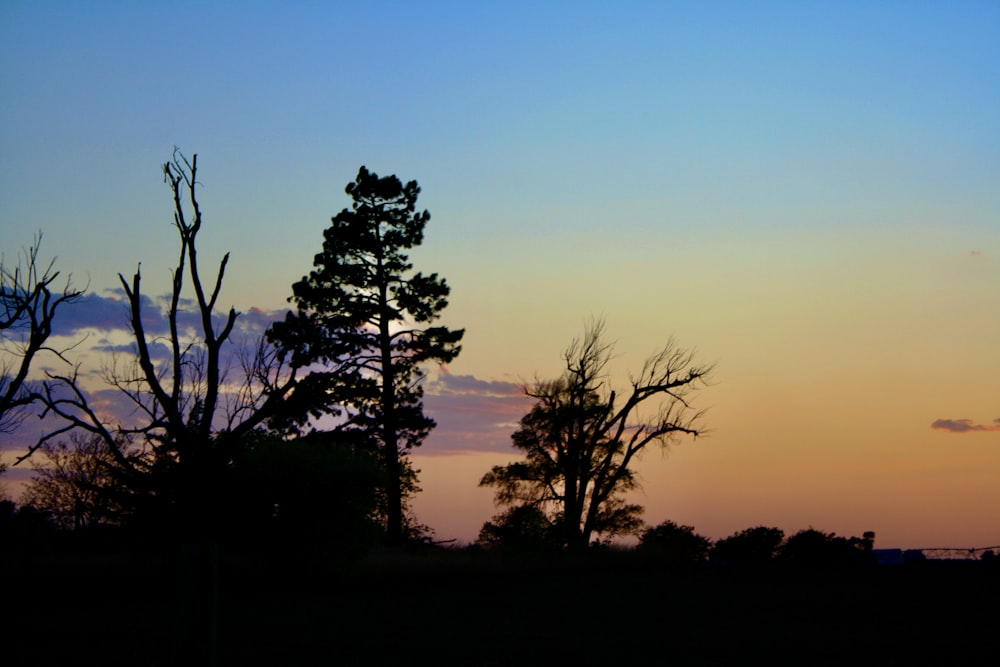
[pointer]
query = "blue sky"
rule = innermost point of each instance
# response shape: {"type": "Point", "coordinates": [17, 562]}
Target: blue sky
{"type": "Point", "coordinates": [807, 192]}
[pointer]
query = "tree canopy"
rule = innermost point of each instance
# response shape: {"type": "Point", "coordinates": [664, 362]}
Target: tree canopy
{"type": "Point", "coordinates": [759, 544]}
{"type": "Point", "coordinates": [582, 437]}
{"type": "Point", "coordinates": [674, 543]}
{"type": "Point", "coordinates": [363, 326]}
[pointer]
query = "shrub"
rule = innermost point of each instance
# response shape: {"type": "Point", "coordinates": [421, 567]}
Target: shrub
{"type": "Point", "coordinates": [673, 543]}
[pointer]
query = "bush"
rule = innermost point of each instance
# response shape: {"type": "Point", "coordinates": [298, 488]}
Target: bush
{"type": "Point", "coordinates": [674, 543]}
{"type": "Point", "coordinates": [315, 491]}
{"type": "Point", "coordinates": [523, 528]}
{"type": "Point", "coordinates": [814, 547]}
{"type": "Point", "coordinates": [753, 545]}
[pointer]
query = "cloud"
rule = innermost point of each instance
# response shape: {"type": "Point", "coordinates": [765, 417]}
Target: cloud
{"type": "Point", "coordinates": [257, 320]}
{"type": "Point", "coordinates": [158, 350]}
{"type": "Point", "coordinates": [447, 383]}
{"type": "Point", "coordinates": [472, 414]}
{"type": "Point", "coordinates": [110, 312]}
{"type": "Point", "coordinates": [93, 311]}
{"type": "Point", "coordinates": [964, 425]}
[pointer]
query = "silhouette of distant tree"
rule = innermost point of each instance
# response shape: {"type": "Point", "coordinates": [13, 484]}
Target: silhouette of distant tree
{"type": "Point", "coordinates": [192, 409]}
{"type": "Point", "coordinates": [752, 545]}
{"type": "Point", "coordinates": [581, 437]}
{"type": "Point", "coordinates": [22, 527]}
{"type": "Point", "coordinates": [674, 543]}
{"type": "Point", "coordinates": [814, 547]}
{"type": "Point", "coordinates": [29, 300]}
{"type": "Point", "coordinates": [75, 483]}
{"type": "Point", "coordinates": [363, 326]}
{"type": "Point", "coordinates": [522, 528]}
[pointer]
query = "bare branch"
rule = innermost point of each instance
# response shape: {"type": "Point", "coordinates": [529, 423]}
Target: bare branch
{"type": "Point", "coordinates": [28, 305]}
{"type": "Point", "coordinates": [582, 436]}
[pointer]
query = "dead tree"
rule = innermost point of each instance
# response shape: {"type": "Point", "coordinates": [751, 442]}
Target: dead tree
{"type": "Point", "coordinates": [29, 299]}
{"type": "Point", "coordinates": [194, 405]}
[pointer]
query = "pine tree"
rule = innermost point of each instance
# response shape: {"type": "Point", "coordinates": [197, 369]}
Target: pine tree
{"type": "Point", "coordinates": [363, 324]}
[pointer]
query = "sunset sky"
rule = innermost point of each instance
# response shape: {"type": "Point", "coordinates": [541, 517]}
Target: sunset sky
{"type": "Point", "coordinates": [806, 193]}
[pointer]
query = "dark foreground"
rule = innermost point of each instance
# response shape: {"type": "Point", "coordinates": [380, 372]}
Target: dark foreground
{"type": "Point", "coordinates": [456, 608]}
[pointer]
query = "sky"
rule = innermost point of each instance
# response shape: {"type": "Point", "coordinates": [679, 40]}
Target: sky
{"type": "Point", "coordinates": [807, 194]}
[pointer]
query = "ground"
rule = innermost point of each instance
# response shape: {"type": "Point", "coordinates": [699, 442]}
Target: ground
{"type": "Point", "coordinates": [460, 608]}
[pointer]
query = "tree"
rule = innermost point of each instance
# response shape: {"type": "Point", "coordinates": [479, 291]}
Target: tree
{"type": "Point", "coordinates": [363, 325]}
{"type": "Point", "coordinates": [75, 484]}
{"type": "Point", "coordinates": [752, 545]}
{"type": "Point", "coordinates": [192, 409]}
{"type": "Point", "coordinates": [29, 299]}
{"type": "Point", "coordinates": [314, 490]}
{"type": "Point", "coordinates": [814, 547]}
{"type": "Point", "coordinates": [581, 437]}
{"type": "Point", "coordinates": [674, 543]}
{"type": "Point", "coordinates": [522, 528]}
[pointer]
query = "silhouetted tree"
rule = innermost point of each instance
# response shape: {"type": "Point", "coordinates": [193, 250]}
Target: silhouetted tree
{"type": "Point", "coordinates": [315, 490]}
{"type": "Point", "coordinates": [75, 483]}
{"type": "Point", "coordinates": [814, 547]}
{"type": "Point", "coordinates": [363, 320]}
{"type": "Point", "coordinates": [674, 543]}
{"type": "Point", "coordinates": [523, 528]}
{"type": "Point", "coordinates": [23, 527]}
{"type": "Point", "coordinates": [192, 409]}
{"type": "Point", "coordinates": [752, 545]}
{"type": "Point", "coordinates": [581, 438]}
{"type": "Point", "coordinates": [28, 304]}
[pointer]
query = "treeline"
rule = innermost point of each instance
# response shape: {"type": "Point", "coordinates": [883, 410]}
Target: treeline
{"type": "Point", "coordinates": [302, 434]}
{"type": "Point", "coordinates": [198, 435]}
{"type": "Point", "coordinates": [307, 429]}
{"type": "Point", "coordinates": [524, 530]}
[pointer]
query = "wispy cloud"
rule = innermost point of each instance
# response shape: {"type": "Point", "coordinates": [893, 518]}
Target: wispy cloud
{"type": "Point", "coordinates": [964, 425]}
{"type": "Point", "coordinates": [113, 347]}
{"type": "Point", "coordinates": [110, 312]}
{"type": "Point", "coordinates": [158, 350]}
{"type": "Point", "coordinates": [472, 414]}
{"type": "Point", "coordinates": [94, 311]}
{"type": "Point", "coordinates": [447, 383]}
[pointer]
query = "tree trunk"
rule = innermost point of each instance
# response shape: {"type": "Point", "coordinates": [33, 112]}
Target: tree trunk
{"type": "Point", "coordinates": [571, 515]}
{"type": "Point", "coordinates": [390, 440]}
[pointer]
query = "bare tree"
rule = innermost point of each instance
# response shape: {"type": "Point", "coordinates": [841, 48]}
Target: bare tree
{"type": "Point", "coordinates": [29, 298]}
{"type": "Point", "coordinates": [582, 437]}
{"type": "Point", "coordinates": [75, 484]}
{"type": "Point", "coordinates": [190, 414]}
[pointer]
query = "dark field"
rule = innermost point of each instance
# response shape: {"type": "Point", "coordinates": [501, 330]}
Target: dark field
{"type": "Point", "coordinates": [457, 608]}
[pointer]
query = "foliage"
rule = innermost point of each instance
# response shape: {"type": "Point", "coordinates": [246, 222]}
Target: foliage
{"type": "Point", "coordinates": [674, 543]}
{"type": "Point", "coordinates": [814, 547]}
{"type": "Point", "coordinates": [522, 528]}
{"type": "Point", "coordinates": [581, 438]}
{"type": "Point", "coordinates": [751, 545]}
{"type": "Point", "coordinates": [315, 489]}
{"type": "Point", "coordinates": [362, 326]}
{"type": "Point", "coordinates": [28, 304]}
